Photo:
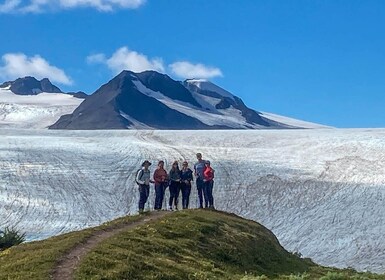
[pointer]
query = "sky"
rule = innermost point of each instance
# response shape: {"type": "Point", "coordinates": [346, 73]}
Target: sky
{"type": "Point", "coordinates": [316, 60]}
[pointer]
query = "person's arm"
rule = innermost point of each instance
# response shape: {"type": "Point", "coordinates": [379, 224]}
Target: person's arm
{"type": "Point", "coordinates": [156, 176]}
{"type": "Point", "coordinates": [139, 177]}
{"type": "Point", "coordinates": [190, 176]}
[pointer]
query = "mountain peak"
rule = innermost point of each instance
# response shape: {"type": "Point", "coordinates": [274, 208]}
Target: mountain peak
{"type": "Point", "coordinates": [31, 86]}
{"type": "Point", "coordinates": [208, 88]}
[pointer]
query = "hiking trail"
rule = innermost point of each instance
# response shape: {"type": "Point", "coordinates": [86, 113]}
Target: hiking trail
{"type": "Point", "coordinates": [67, 265]}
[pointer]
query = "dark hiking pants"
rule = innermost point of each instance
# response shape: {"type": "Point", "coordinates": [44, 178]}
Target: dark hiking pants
{"type": "Point", "coordinates": [174, 193]}
{"type": "Point", "coordinates": [208, 193]}
{"type": "Point", "coordinates": [200, 185]}
{"type": "Point", "coordinates": [186, 190]}
{"type": "Point", "coordinates": [144, 192]}
{"type": "Point", "coordinates": [159, 195]}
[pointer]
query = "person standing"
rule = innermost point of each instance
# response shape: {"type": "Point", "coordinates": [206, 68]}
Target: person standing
{"type": "Point", "coordinates": [174, 176]}
{"type": "Point", "coordinates": [208, 179]}
{"type": "Point", "coordinates": [143, 180]}
{"type": "Point", "coordinates": [160, 178]}
{"type": "Point", "coordinates": [186, 177]}
{"type": "Point", "coordinates": [198, 172]}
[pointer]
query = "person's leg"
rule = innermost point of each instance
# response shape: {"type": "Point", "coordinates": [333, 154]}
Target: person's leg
{"type": "Point", "coordinates": [171, 190]}
{"type": "Point", "coordinates": [163, 190]}
{"type": "Point", "coordinates": [183, 190]}
{"type": "Point", "coordinates": [210, 192]}
{"type": "Point", "coordinates": [158, 196]}
{"type": "Point", "coordinates": [147, 194]}
{"type": "Point", "coordinates": [142, 198]}
{"type": "Point", "coordinates": [176, 194]}
{"type": "Point", "coordinates": [200, 192]}
{"type": "Point", "coordinates": [188, 192]}
{"type": "Point", "coordinates": [206, 193]}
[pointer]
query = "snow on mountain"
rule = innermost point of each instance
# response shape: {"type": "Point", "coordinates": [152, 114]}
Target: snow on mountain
{"type": "Point", "coordinates": [230, 117]}
{"type": "Point", "coordinates": [159, 102]}
{"type": "Point", "coordinates": [34, 111]}
{"type": "Point", "coordinates": [321, 192]}
{"type": "Point", "coordinates": [208, 86]}
{"type": "Point", "coordinates": [292, 122]}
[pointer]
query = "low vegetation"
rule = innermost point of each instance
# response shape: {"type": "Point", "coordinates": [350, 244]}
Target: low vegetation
{"type": "Point", "coordinates": [194, 244]}
{"type": "Point", "coordinates": [10, 237]}
{"type": "Point", "coordinates": [35, 260]}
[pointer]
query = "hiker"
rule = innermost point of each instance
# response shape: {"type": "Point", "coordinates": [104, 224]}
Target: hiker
{"type": "Point", "coordinates": [174, 176]}
{"type": "Point", "coordinates": [143, 180]}
{"type": "Point", "coordinates": [161, 181]}
{"type": "Point", "coordinates": [198, 172]}
{"type": "Point", "coordinates": [208, 179]}
{"type": "Point", "coordinates": [186, 176]}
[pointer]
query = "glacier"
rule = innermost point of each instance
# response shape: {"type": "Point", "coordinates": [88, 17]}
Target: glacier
{"type": "Point", "coordinates": [321, 191]}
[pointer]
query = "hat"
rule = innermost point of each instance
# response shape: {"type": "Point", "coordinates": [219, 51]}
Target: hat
{"type": "Point", "coordinates": [199, 154]}
{"type": "Point", "coordinates": [146, 162]}
{"type": "Point", "coordinates": [185, 163]}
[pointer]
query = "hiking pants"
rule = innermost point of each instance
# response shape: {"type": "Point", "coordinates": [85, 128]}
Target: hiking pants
{"type": "Point", "coordinates": [200, 185]}
{"type": "Point", "coordinates": [186, 190]}
{"type": "Point", "coordinates": [159, 195]}
{"type": "Point", "coordinates": [144, 192]}
{"type": "Point", "coordinates": [208, 193]}
{"type": "Point", "coordinates": [174, 193]}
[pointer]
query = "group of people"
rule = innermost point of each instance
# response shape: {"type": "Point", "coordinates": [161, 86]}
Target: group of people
{"type": "Point", "coordinates": [177, 180]}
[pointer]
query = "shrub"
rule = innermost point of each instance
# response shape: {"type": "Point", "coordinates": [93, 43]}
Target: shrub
{"type": "Point", "coordinates": [335, 276]}
{"type": "Point", "coordinates": [10, 237]}
{"type": "Point", "coordinates": [304, 276]}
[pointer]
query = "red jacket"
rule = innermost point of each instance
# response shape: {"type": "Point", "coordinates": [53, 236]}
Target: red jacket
{"type": "Point", "coordinates": [160, 175]}
{"type": "Point", "coordinates": [208, 174]}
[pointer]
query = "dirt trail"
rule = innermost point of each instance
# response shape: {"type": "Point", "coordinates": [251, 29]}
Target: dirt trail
{"type": "Point", "coordinates": [66, 267]}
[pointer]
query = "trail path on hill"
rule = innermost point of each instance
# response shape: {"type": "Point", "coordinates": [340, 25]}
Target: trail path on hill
{"type": "Point", "coordinates": [66, 267]}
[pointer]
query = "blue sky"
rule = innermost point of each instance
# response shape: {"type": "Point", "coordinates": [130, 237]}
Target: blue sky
{"type": "Point", "coordinates": [317, 60]}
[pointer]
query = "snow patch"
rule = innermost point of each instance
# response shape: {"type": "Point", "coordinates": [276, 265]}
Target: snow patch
{"type": "Point", "coordinates": [34, 111]}
{"type": "Point", "coordinates": [209, 86]}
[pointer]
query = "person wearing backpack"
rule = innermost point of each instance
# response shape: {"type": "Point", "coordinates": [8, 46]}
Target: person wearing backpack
{"type": "Point", "coordinates": [143, 180]}
{"type": "Point", "coordinates": [208, 179]}
{"type": "Point", "coordinates": [161, 183]}
{"type": "Point", "coordinates": [198, 172]}
{"type": "Point", "coordinates": [174, 176]}
{"type": "Point", "coordinates": [186, 176]}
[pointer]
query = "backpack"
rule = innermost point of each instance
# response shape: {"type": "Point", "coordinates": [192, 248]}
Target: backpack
{"type": "Point", "coordinates": [140, 176]}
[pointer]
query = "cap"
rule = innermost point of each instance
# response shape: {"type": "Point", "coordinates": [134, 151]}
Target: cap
{"type": "Point", "coordinates": [146, 162]}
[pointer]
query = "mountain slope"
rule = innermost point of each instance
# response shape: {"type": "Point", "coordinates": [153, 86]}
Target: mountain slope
{"type": "Point", "coordinates": [126, 102]}
{"type": "Point", "coordinates": [152, 100]}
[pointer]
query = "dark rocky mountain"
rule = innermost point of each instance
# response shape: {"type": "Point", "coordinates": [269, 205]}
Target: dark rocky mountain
{"type": "Point", "coordinates": [227, 100]}
{"type": "Point", "coordinates": [119, 105]}
{"type": "Point", "coordinates": [31, 86]}
{"type": "Point", "coordinates": [153, 100]}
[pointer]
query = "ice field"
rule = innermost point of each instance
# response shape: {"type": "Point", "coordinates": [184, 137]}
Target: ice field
{"type": "Point", "coordinates": [322, 192]}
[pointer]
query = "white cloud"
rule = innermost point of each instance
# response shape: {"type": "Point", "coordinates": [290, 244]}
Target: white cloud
{"type": "Point", "coordinates": [36, 6]}
{"type": "Point", "coordinates": [96, 58]}
{"type": "Point", "coordinates": [9, 6]}
{"type": "Point", "coordinates": [16, 65]}
{"type": "Point", "coordinates": [188, 70]}
{"type": "Point", "coordinates": [126, 59]}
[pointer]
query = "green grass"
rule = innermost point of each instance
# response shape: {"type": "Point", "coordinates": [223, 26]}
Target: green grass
{"type": "Point", "coordinates": [36, 260]}
{"type": "Point", "coordinates": [194, 244]}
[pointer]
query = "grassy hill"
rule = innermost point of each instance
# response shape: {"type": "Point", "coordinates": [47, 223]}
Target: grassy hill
{"type": "Point", "coordinates": [193, 244]}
